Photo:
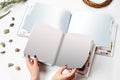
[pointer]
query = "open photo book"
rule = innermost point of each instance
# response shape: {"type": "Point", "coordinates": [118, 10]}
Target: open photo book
{"type": "Point", "coordinates": [100, 27]}
{"type": "Point", "coordinates": [65, 38]}
{"type": "Point", "coordinates": [54, 47]}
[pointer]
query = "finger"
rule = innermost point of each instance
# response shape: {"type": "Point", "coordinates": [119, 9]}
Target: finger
{"type": "Point", "coordinates": [28, 60]}
{"type": "Point", "coordinates": [61, 69]}
{"type": "Point", "coordinates": [35, 60]}
{"type": "Point", "coordinates": [72, 73]}
{"type": "Point", "coordinates": [38, 64]}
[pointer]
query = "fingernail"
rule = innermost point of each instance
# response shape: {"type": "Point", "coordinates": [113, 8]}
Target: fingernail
{"type": "Point", "coordinates": [66, 65]}
{"type": "Point", "coordinates": [28, 56]}
{"type": "Point", "coordinates": [35, 56]}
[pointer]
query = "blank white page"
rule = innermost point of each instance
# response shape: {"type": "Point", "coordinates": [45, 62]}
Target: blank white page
{"type": "Point", "coordinates": [44, 42]}
{"type": "Point", "coordinates": [97, 26]}
{"type": "Point", "coordinates": [74, 50]}
{"type": "Point", "coordinates": [53, 16]}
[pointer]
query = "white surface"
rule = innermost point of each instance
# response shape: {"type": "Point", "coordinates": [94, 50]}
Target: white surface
{"type": "Point", "coordinates": [104, 68]}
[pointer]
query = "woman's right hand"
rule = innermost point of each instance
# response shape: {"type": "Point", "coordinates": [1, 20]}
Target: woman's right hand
{"type": "Point", "coordinates": [60, 76]}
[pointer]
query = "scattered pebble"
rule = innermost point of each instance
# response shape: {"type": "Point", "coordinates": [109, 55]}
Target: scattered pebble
{"type": "Point", "coordinates": [2, 52]}
{"type": "Point", "coordinates": [6, 31]}
{"type": "Point", "coordinates": [13, 18]}
{"type": "Point", "coordinates": [12, 24]}
{"type": "Point", "coordinates": [10, 40]}
{"type": "Point", "coordinates": [17, 50]}
{"type": "Point", "coordinates": [18, 68]}
{"type": "Point", "coordinates": [2, 44]}
{"type": "Point", "coordinates": [10, 64]}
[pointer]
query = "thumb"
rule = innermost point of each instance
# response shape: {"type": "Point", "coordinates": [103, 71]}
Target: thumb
{"type": "Point", "coordinates": [72, 73]}
{"type": "Point", "coordinates": [61, 69]}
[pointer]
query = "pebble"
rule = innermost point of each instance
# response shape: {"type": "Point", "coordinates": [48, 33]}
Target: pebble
{"type": "Point", "coordinates": [12, 24]}
{"type": "Point", "coordinates": [10, 64]}
{"type": "Point", "coordinates": [17, 50]}
{"type": "Point", "coordinates": [2, 44]}
{"type": "Point", "coordinates": [2, 52]}
{"type": "Point", "coordinates": [10, 40]}
{"type": "Point", "coordinates": [18, 68]}
{"type": "Point", "coordinates": [6, 31]}
{"type": "Point", "coordinates": [13, 18]}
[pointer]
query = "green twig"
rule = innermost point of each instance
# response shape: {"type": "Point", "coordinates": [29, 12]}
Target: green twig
{"type": "Point", "coordinates": [6, 3]}
{"type": "Point", "coordinates": [4, 15]}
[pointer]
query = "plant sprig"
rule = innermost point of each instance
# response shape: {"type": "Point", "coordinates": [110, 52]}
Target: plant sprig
{"type": "Point", "coordinates": [7, 3]}
{"type": "Point", "coordinates": [2, 16]}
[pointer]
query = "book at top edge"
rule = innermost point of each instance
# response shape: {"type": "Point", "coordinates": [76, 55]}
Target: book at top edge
{"type": "Point", "coordinates": [51, 15]}
{"type": "Point", "coordinates": [90, 24]}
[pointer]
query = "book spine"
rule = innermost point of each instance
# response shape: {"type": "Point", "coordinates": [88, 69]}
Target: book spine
{"type": "Point", "coordinates": [59, 48]}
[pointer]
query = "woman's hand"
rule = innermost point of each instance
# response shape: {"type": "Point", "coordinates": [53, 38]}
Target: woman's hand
{"type": "Point", "coordinates": [60, 76]}
{"type": "Point", "coordinates": [34, 67]}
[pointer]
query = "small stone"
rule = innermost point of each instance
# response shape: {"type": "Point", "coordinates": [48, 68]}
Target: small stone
{"type": "Point", "coordinates": [12, 24]}
{"type": "Point", "coordinates": [17, 50]}
{"type": "Point", "coordinates": [109, 51]}
{"type": "Point", "coordinates": [6, 31]}
{"type": "Point", "coordinates": [2, 44]}
{"type": "Point", "coordinates": [2, 52]}
{"type": "Point", "coordinates": [10, 40]}
{"type": "Point", "coordinates": [13, 18]}
{"type": "Point", "coordinates": [18, 68]}
{"type": "Point", "coordinates": [10, 64]}
{"type": "Point", "coordinates": [106, 53]}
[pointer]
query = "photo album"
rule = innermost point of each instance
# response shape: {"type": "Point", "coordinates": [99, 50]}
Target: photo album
{"type": "Point", "coordinates": [61, 38]}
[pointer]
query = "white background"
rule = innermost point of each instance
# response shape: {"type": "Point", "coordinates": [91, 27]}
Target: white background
{"type": "Point", "coordinates": [104, 68]}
